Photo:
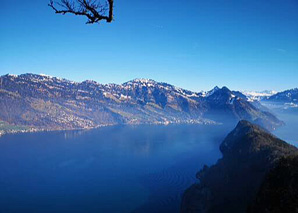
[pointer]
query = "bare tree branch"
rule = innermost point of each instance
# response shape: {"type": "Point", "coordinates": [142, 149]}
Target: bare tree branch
{"type": "Point", "coordinates": [94, 10]}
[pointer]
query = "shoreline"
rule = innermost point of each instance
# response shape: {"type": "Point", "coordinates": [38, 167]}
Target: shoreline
{"type": "Point", "coordinates": [33, 130]}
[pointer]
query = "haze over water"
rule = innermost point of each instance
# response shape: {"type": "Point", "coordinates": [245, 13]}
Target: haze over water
{"type": "Point", "coordinates": [288, 132]}
{"type": "Point", "coordinates": [112, 169]}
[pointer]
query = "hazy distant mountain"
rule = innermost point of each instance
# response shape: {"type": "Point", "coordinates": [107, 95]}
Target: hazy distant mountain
{"type": "Point", "coordinates": [258, 96]}
{"type": "Point", "coordinates": [224, 104]}
{"type": "Point", "coordinates": [45, 102]}
{"type": "Point", "coordinates": [285, 96]}
{"type": "Point", "coordinates": [254, 164]}
{"type": "Point", "coordinates": [284, 100]}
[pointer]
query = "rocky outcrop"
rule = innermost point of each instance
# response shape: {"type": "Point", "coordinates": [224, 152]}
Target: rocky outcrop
{"type": "Point", "coordinates": [250, 153]}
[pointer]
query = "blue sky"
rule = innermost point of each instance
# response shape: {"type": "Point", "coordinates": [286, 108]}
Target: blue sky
{"type": "Point", "coordinates": [194, 44]}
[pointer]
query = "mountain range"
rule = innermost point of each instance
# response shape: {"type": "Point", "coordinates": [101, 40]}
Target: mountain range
{"type": "Point", "coordinates": [285, 96]}
{"type": "Point", "coordinates": [40, 102]}
{"type": "Point", "coordinates": [284, 100]}
{"type": "Point", "coordinates": [287, 99]}
{"type": "Point", "coordinates": [259, 95]}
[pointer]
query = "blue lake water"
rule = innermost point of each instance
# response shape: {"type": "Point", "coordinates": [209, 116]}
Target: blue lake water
{"type": "Point", "coordinates": [289, 132]}
{"type": "Point", "coordinates": [112, 169]}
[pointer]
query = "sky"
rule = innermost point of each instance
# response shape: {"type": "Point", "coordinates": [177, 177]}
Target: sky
{"type": "Point", "coordinates": [193, 44]}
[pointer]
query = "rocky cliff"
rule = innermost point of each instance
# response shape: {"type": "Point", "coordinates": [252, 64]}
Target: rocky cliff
{"type": "Point", "coordinates": [252, 157]}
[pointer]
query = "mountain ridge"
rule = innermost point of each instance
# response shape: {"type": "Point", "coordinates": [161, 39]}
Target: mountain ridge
{"type": "Point", "coordinates": [52, 103]}
{"type": "Point", "coordinates": [287, 98]}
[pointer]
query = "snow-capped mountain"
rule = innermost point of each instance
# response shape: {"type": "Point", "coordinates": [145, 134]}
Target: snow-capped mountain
{"type": "Point", "coordinates": [288, 96]}
{"type": "Point", "coordinates": [46, 102]}
{"type": "Point", "coordinates": [258, 96]}
{"type": "Point", "coordinates": [286, 100]}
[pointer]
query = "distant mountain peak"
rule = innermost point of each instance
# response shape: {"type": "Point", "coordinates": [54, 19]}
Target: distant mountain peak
{"type": "Point", "coordinates": [142, 80]}
{"type": "Point", "coordinates": [145, 80]}
{"type": "Point", "coordinates": [45, 75]}
{"type": "Point", "coordinates": [258, 95]}
{"type": "Point", "coordinates": [211, 92]}
{"type": "Point", "coordinates": [225, 88]}
{"type": "Point", "coordinates": [90, 82]}
{"type": "Point", "coordinates": [11, 75]}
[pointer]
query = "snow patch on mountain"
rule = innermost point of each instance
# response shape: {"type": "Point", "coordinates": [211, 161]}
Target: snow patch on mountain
{"type": "Point", "coordinates": [258, 95]}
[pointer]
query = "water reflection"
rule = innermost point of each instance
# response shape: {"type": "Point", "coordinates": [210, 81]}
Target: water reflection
{"type": "Point", "coordinates": [73, 134]}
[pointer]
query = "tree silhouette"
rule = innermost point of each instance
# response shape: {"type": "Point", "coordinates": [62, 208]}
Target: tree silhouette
{"type": "Point", "coordinates": [94, 10]}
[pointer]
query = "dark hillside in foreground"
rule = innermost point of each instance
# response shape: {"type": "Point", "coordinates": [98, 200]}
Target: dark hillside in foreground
{"type": "Point", "coordinates": [279, 191]}
{"type": "Point", "coordinates": [250, 156]}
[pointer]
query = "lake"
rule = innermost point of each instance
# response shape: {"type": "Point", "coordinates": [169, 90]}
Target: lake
{"type": "Point", "coordinates": [111, 169]}
{"type": "Point", "coordinates": [288, 132]}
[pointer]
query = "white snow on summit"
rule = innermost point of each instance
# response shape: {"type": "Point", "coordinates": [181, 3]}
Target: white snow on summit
{"type": "Point", "coordinates": [257, 96]}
